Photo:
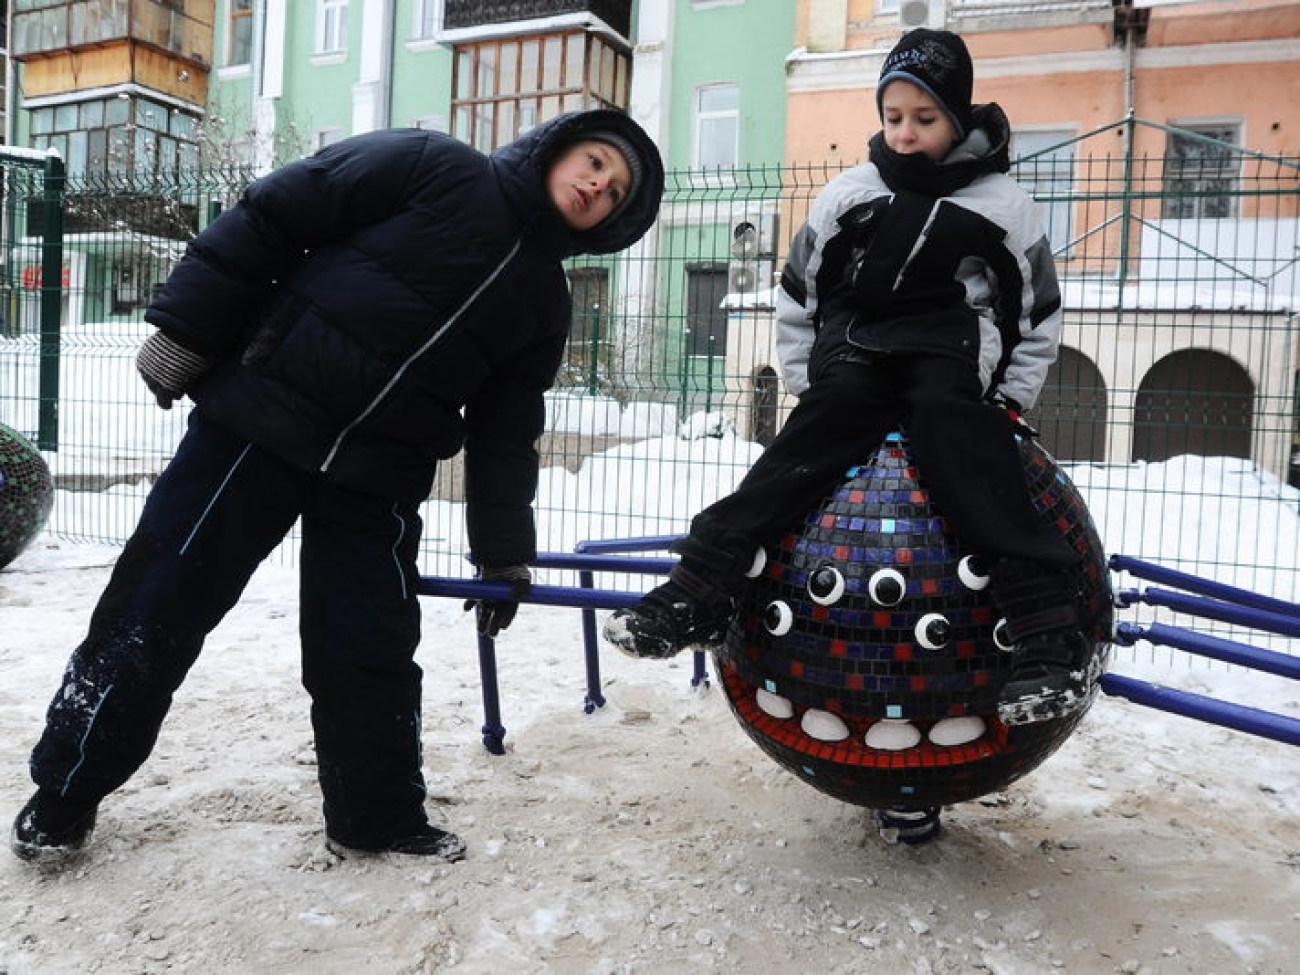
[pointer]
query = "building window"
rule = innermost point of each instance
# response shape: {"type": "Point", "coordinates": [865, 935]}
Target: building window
{"type": "Point", "coordinates": [502, 88]}
{"type": "Point", "coordinates": [886, 6]}
{"type": "Point", "coordinates": [327, 137]}
{"type": "Point", "coordinates": [706, 319]}
{"type": "Point", "coordinates": [1044, 166]}
{"type": "Point", "coordinates": [1201, 164]}
{"type": "Point", "coordinates": [717, 127]}
{"type": "Point", "coordinates": [126, 135]}
{"type": "Point", "coordinates": [239, 34]}
{"type": "Point", "coordinates": [588, 354]}
{"type": "Point", "coordinates": [428, 19]}
{"type": "Point", "coordinates": [331, 26]}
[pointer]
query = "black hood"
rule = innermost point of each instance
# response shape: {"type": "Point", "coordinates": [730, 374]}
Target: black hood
{"type": "Point", "coordinates": [520, 168]}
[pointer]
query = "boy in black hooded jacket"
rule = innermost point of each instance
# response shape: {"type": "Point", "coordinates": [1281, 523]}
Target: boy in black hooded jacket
{"type": "Point", "coordinates": [358, 316]}
{"type": "Point", "coordinates": [921, 293]}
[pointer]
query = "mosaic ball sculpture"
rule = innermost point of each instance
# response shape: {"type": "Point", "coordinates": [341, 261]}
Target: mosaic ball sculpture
{"type": "Point", "coordinates": [26, 494]}
{"type": "Point", "coordinates": [867, 657]}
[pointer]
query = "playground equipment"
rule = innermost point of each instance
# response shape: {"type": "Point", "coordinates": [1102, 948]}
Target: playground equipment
{"type": "Point", "coordinates": [901, 695]}
{"type": "Point", "coordinates": [26, 494]}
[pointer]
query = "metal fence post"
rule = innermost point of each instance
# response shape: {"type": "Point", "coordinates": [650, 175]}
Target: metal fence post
{"type": "Point", "coordinates": [47, 437]}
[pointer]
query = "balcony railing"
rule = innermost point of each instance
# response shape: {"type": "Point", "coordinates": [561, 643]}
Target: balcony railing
{"type": "Point", "coordinates": [478, 13]}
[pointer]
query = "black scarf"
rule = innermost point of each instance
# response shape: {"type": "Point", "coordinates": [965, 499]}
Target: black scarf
{"type": "Point", "coordinates": [921, 174]}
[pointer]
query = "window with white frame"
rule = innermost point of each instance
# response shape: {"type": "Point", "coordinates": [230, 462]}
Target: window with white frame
{"type": "Point", "coordinates": [327, 137]}
{"type": "Point", "coordinates": [239, 32]}
{"type": "Point", "coordinates": [1201, 166]}
{"type": "Point", "coordinates": [331, 26]}
{"type": "Point", "coordinates": [428, 19]}
{"type": "Point", "coordinates": [886, 6]}
{"type": "Point", "coordinates": [1045, 168]}
{"type": "Point", "coordinates": [717, 127]}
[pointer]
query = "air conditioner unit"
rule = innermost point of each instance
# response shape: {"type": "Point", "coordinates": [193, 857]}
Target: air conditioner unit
{"type": "Point", "coordinates": [753, 233]}
{"type": "Point", "coordinates": [921, 13]}
{"type": "Point", "coordinates": [746, 277]}
{"type": "Point", "coordinates": [753, 250]}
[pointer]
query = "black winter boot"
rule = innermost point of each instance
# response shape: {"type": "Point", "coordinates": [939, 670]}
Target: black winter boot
{"type": "Point", "coordinates": [685, 611]}
{"type": "Point", "coordinates": [431, 842]}
{"type": "Point", "coordinates": [1049, 676]}
{"type": "Point", "coordinates": [50, 830]}
{"type": "Point", "coordinates": [1049, 679]}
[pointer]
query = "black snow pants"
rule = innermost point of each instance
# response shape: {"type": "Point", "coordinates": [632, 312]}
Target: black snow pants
{"type": "Point", "coordinates": [221, 506]}
{"type": "Point", "coordinates": [963, 447]}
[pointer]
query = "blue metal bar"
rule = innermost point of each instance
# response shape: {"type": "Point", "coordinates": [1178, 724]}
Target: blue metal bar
{"type": "Point", "coordinates": [1206, 587]}
{"type": "Point", "coordinates": [1229, 651]}
{"type": "Point", "coordinates": [494, 732]}
{"type": "Point", "coordinates": [1213, 609]}
{"type": "Point", "coordinates": [603, 563]}
{"type": "Point", "coordinates": [586, 597]}
{"type": "Point", "coordinates": [1253, 721]}
{"type": "Point", "coordinates": [595, 696]}
{"type": "Point", "coordinates": [646, 543]}
{"type": "Point", "coordinates": [542, 595]}
{"type": "Point", "coordinates": [700, 671]}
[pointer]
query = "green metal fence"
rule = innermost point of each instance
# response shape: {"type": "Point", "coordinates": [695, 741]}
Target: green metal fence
{"type": "Point", "coordinates": [1179, 262]}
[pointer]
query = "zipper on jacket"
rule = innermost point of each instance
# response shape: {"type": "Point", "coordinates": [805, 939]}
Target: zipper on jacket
{"type": "Point", "coordinates": [432, 340]}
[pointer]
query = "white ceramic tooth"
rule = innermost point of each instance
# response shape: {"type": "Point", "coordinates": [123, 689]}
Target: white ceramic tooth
{"type": "Point", "coordinates": [893, 735]}
{"type": "Point", "coordinates": [823, 725]}
{"type": "Point", "coordinates": [773, 704]}
{"type": "Point", "coordinates": [957, 731]}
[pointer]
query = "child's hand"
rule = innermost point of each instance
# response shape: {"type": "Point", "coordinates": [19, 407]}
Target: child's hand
{"type": "Point", "coordinates": [1012, 410]}
{"type": "Point", "coordinates": [494, 615]}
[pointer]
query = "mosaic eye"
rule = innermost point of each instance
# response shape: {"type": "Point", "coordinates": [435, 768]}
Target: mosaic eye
{"type": "Point", "coordinates": [778, 618]}
{"type": "Point", "coordinates": [887, 587]}
{"type": "Point", "coordinates": [826, 585]}
{"type": "Point", "coordinates": [933, 631]}
{"type": "Point", "coordinates": [973, 572]}
{"type": "Point", "coordinates": [1001, 636]}
{"type": "Point", "coordinates": [758, 565]}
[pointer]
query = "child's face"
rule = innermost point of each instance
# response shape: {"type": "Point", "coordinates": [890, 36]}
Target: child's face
{"type": "Point", "coordinates": [914, 122]}
{"type": "Point", "coordinates": [587, 182]}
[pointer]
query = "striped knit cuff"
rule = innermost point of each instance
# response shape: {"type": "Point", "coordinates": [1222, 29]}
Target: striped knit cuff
{"type": "Point", "coordinates": [169, 364]}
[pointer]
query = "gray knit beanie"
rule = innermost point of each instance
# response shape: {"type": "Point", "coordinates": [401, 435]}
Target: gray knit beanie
{"type": "Point", "coordinates": [635, 167]}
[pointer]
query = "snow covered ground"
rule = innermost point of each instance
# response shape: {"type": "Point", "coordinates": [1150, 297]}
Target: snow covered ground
{"type": "Point", "coordinates": [652, 836]}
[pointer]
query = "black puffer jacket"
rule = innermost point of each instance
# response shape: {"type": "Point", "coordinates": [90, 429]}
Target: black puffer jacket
{"type": "Point", "coordinates": [397, 296]}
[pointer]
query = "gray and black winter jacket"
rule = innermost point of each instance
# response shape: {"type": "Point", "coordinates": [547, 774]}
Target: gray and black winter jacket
{"type": "Point", "coordinates": [398, 295]}
{"type": "Point", "coordinates": [902, 255]}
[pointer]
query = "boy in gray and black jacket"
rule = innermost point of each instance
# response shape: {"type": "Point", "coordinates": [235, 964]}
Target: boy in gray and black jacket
{"type": "Point", "coordinates": [921, 294]}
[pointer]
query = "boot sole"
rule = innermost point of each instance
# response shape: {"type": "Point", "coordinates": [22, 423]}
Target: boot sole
{"type": "Point", "coordinates": [452, 854]}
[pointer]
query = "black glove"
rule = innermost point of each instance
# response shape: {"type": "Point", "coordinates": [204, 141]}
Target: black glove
{"type": "Point", "coordinates": [494, 615]}
{"type": "Point", "coordinates": [168, 368]}
{"type": "Point", "coordinates": [1013, 411]}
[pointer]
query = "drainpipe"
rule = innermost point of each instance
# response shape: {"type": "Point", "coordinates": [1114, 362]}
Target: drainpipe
{"type": "Point", "coordinates": [1129, 24]}
{"type": "Point", "coordinates": [386, 68]}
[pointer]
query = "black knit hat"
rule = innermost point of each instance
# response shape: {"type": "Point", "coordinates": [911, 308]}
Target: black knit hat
{"type": "Point", "coordinates": [937, 62]}
{"type": "Point", "coordinates": [635, 167]}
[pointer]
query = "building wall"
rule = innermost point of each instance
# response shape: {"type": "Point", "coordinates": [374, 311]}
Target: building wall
{"type": "Point", "coordinates": [1188, 64]}
{"type": "Point", "coordinates": [1196, 61]}
{"type": "Point", "coordinates": [743, 44]}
